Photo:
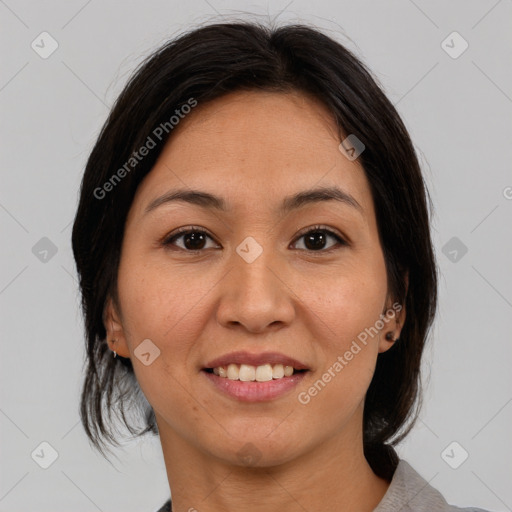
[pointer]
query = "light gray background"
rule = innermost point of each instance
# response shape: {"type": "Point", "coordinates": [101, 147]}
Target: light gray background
{"type": "Point", "coordinates": [458, 112]}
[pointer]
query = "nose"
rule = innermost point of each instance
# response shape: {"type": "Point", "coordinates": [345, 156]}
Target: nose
{"type": "Point", "coordinates": [256, 295]}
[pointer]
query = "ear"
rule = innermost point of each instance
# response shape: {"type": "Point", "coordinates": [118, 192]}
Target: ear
{"type": "Point", "coordinates": [394, 320]}
{"type": "Point", "coordinates": [116, 338]}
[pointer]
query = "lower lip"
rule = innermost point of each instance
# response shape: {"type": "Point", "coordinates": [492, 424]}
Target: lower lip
{"type": "Point", "coordinates": [255, 391]}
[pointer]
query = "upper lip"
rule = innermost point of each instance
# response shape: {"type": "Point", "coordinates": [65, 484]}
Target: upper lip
{"type": "Point", "coordinates": [243, 357]}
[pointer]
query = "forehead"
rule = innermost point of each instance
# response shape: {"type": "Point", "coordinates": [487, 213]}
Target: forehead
{"type": "Point", "coordinates": [255, 148]}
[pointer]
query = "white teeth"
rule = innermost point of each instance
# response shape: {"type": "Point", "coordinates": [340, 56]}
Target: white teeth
{"type": "Point", "coordinates": [288, 370]}
{"type": "Point", "coordinates": [264, 373]}
{"type": "Point", "coordinates": [247, 372]}
{"type": "Point", "coordinates": [250, 373]}
{"type": "Point", "coordinates": [233, 371]}
{"type": "Point", "coordinates": [278, 371]}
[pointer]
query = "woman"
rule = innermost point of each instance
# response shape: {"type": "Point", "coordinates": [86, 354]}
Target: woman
{"type": "Point", "coordinates": [254, 255]}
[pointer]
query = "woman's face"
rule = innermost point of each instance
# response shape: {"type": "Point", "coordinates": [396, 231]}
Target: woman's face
{"type": "Point", "coordinates": [254, 282]}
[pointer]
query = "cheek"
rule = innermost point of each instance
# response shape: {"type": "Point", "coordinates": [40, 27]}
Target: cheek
{"type": "Point", "coordinates": [349, 350]}
{"type": "Point", "coordinates": [167, 306]}
{"type": "Point", "coordinates": [168, 309]}
{"type": "Point", "coordinates": [161, 303]}
{"type": "Point", "coordinates": [332, 399]}
{"type": "Point", "coordinates": [345, 319]}
{"type": "Point", "coordinates": [346, 303]}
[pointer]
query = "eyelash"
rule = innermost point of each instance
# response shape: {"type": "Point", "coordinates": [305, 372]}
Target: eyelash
{"type": "Point", "coordinates": [168, 240]}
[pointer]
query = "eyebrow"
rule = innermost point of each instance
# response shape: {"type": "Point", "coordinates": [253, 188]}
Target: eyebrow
{"type": "Point", "coordinates": [293, 202]}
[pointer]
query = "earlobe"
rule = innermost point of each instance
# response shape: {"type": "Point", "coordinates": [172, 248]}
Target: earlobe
{"type": "Point", "coordinates": [115, 332]}
{"type": "Point", "coordinates": [386, 342]}
{"type": "Point", "coordinates": [395, 324]}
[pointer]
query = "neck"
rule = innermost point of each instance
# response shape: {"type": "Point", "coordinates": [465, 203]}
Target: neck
{"type": "Point", "coordinates": [333, 477]}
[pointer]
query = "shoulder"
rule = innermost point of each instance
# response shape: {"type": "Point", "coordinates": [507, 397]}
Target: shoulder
{"type": "Point", "coordinates": [410, 492]}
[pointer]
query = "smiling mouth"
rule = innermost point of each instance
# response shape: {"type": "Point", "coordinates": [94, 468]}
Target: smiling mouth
{"type": "Point", "coordinates": [251, 373]}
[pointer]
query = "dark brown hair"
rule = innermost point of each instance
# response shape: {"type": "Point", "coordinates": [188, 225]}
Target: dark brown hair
{"type": "Point", "coordinates": [205, 64]}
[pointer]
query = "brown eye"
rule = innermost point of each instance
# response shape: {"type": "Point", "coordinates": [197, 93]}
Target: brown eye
{"type": "Point", "coordinates": [193, 239]}
{"type": "Point", "coordinates": [316, 238]}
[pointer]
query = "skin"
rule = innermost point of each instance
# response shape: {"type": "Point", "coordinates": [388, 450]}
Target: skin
{"type": "Point", "coordinates": [254, 149]}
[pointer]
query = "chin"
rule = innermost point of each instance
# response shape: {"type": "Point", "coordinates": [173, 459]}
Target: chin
{"type": "Point", "coordinates": [258, 451]}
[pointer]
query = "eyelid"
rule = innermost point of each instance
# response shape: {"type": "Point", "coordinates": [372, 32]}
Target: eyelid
{"type": "Point", "coordinates": [183, 230]}
{"type": "Point", "coordinates": [319, 227]}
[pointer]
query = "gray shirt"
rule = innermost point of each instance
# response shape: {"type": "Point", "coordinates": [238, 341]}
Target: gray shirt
{"type": "Point", "coordinates": [408, 492]}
